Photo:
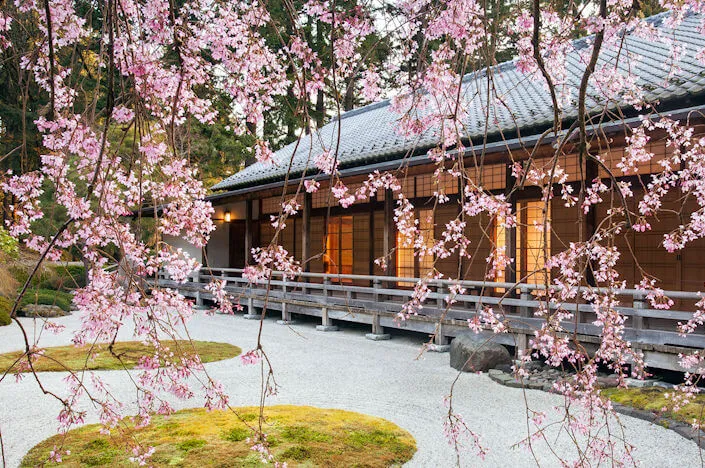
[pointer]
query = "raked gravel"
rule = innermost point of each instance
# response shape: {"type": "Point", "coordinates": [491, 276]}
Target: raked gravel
{"type": "Point", "coordinates": [344, 370]}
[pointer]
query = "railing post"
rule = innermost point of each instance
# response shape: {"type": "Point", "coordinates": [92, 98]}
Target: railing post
{"type": "Point", "coordinates": [326, 283]}
{"type": "Point", "coordinates": [377, 330]}
{"type": "Point", "coordinates": [251, 313]}
{"type": "Point", "coordinates": [522, 338]}
{"type": "Point", "coordinates": [326, 322]}
{"type": "Point", "coordinates": [286, 316]}
{"type": "Point", "coordinates": [376, 286]}
{"type": "Point", "coordinates": [638, 305]}
{"type": "Point", "coordinates": [440, 341]}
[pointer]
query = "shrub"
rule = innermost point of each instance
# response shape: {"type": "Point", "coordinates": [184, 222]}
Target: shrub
{"type": "Point", "coordinates": [57, 277]}
{"type": "Point", "coordinates": [47, 297]}
{"type": "Point", "coordinates": [5, 309]}
{"type": "Point", "coordinates": [67, 277]}
{"type": "Point", "coordinates": [8, 244]}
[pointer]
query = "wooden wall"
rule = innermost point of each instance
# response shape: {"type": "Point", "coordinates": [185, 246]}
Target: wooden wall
{"type": "Point", "coordinates": [641, 254]}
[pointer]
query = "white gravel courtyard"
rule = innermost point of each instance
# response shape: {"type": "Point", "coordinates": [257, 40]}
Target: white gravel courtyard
{"type": "Point", "coordinates": [343, 370]}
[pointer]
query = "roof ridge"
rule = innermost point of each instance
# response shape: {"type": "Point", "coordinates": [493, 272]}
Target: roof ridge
{"type": "Point", "coordinates": [579, 43]}
{"type": "Point", "coordinates": [527, 106]}
{"type": "Point", "coordinates": [361, 110]}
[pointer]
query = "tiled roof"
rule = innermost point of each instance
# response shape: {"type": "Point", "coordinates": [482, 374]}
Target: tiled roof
{"type": "Point", "coordinates": [368, 134]}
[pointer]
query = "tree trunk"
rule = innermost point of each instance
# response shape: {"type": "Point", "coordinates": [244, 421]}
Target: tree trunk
{"type": "Point", "coordinates": [250, 158]}
{"type": "Point", "coordinates": [349, 102]}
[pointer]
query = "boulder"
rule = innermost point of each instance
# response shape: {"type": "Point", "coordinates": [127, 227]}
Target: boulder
{"type": "Point", "coordinates": [471, 352]}
{"type": "Point", "coordinates": [42, 310]}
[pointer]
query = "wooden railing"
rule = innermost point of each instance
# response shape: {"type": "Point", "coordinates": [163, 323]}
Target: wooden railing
{"type": "Point", "coordinates": [376, 300]}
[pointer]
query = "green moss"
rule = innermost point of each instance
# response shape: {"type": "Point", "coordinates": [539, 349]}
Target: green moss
{"type": "Point", "coordinates": [297, 452]}
{"type": "Point", "coordinates": [126, 354]}
{"type": "Point", "coordinates": [378, 438]}
{"type": "Point", "coordinates": [322, 438]}
{"type": "Point", "coordinates": [249, 416]}
{"type": "Point", "coordinates": [654, 399]}
{"type": "Point", "coordinates": [236, 434]}
{"type": "Point", "coordinates": [102, 458]}
{"type": "Point", "coordinates": [191, 444]}
{"type": "Point", "coordinates": [5, 309]}
{"type": "Point", "coordinates": [300, 433]}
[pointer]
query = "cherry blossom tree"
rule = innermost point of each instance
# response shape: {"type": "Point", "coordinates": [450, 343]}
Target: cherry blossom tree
{"type": "Point", "coordinates": [150, 61]}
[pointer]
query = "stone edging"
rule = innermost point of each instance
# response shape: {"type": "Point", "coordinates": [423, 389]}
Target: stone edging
{"type": "Point", "coordinates": [684, 430]}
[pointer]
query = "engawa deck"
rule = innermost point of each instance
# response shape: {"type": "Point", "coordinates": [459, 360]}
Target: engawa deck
{"type": "Point", "coordinates": [376, 300]}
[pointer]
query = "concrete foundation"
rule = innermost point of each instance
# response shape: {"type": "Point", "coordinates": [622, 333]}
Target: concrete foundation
{"type": "Point", "coordinates": [378, 336]}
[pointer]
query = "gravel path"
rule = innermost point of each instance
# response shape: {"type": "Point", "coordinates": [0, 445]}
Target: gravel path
{"type": "Point", "coordinates": [344, 370]}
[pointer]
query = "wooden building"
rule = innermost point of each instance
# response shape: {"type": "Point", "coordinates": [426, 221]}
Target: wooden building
{"type": "Point", "coordinates": [358, 235]}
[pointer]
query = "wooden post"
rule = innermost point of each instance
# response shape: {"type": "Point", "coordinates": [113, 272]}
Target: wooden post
{"type": "Point", "coordinates": [251, 313]}
{"type": "Point", "coordinates": [638, 305]}
{"type": "Point", "coordinates": [371, 238]}
{"type": "Point", "coordinates": [591, 173]}
{"type": "Point", "coordinates": [306, 232]}
{"type": "Point", "coordinates": [440, 341]}
{"type": "Point", "coordinates": [306, 237]}
{"type": "Point", "coordinates": [377, 330]}
{"type": "Point", "coordinates": [248, 231]}
{"type": "Point", "coordinates": [326, 322]}
{"type": "Point", "coordinates": [390, 234]}
{"type": "Point", "coordinates": [522, 338]}
{"type": "Point", "coordinates": [510, 234]}
{"type": "Point", "coordinates": [286, 315]}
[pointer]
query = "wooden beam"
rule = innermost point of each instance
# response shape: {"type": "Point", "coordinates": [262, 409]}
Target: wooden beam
{"type": "Point", "coordinates": [248, 231]}
{"type": "Point", "coordinates": [390, 231]}
{"type": "Point", "coordinates": [371, 238]}
{"type": "Point", "coordinates": [510, 234]}
{"type": "Point", "coordinates": [591, 173]}
{"type": "Point", "coordinates": [306, 232]}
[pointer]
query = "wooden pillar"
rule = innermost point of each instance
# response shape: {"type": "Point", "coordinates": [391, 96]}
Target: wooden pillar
{"type": "Point", "coordinates": [306, 232]}
{"type": "Point", "coordinates": [371, 238]}
{"type": "Point", "coordinates": [510, 239]}
{"type": "Point", "coordinates": [390, 231]}
{"type": "Point", "coordinates": [248, 231]}
{"type": "Point", "coordinates": [591, 173]}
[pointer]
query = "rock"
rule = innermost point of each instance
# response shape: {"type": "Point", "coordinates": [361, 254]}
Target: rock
{"type": "Point", "coordinates": [507, 368]}
{"type": "Point", "coordinates": [495, 373]}
{"type": "Point", "coordinates": [637, 383]}
{"type": "Point", "coordinates": [471, 352]}
{"type": "Point", "coordinates": [500, 377]}
{"type": "Point", "coordinates": [607, 381]}
{"type": "Point", "coordinates": [513, 383]}
{"type": "Point", "coordinates": [534, 366]}
{"type": "Point", "coordinates": [534, 385]}
{"type": "Point", "coordinates": [42, 310]}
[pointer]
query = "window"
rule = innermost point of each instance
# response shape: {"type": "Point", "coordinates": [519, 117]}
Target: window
{"type": "Point", "coordinates": [408, 264]}
{"type": "Point", "coordinates": [531, 241]}
{"type": "Point", "coordinates": [529, 255]}
{"type": "Point", "coordinates": [339, 246]}
{"type": "Point", "coordinates": [500, 243]}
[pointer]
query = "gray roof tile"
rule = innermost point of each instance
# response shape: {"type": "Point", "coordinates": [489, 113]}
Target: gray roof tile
{"type": "Point", "coordinates": [369, 134]}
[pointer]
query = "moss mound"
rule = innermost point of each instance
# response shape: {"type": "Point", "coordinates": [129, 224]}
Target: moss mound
{"type": "Point", "coordinates": [298, 435]}
{"type": "Point", "coordinates": [98, 357]}
{"type": "Point", "coordinates": [654, 399]}
{"type": "Point", "coordinates": [5, 309]}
